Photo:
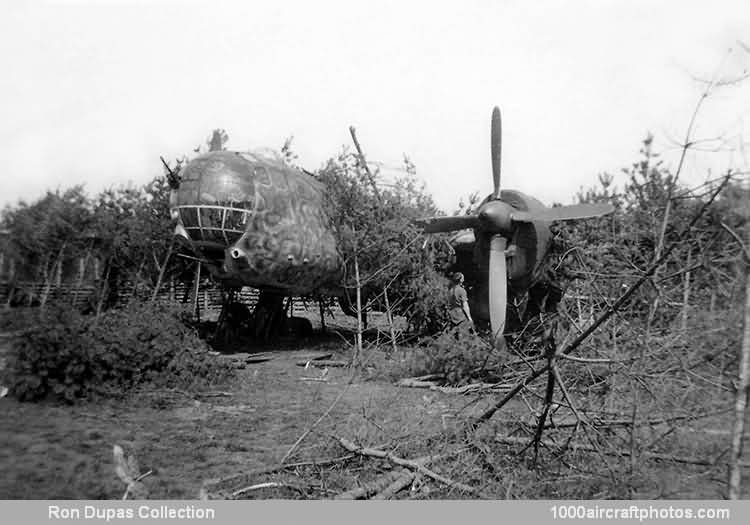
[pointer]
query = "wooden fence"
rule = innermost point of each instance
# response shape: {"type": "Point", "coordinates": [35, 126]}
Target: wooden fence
{"type": "Point", "coordinates": [29, 293]}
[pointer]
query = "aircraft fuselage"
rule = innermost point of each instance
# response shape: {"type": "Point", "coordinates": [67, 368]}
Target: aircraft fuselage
{"type": "Point", "coordinates": [257, 222]}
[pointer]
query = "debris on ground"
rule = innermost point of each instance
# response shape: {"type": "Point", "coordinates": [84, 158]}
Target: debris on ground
{"type": "Point", "coordinates": [323, 363]}
{"type": "Point", "coordinates": [129, 473]}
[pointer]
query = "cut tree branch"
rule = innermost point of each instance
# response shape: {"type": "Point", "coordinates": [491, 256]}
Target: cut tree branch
{"type": "Point", "coordinates": [510, 440]}
{"type": "Point", "coordinates": [416, 465]}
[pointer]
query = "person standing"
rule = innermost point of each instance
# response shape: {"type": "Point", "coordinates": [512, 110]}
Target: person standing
{"type": "Point", "coordinates": [459, 315]}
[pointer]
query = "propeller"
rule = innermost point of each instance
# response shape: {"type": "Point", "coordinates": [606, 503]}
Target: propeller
{"type": "Point", "coordinates": [448, 224]}
{"type": "Point", "coordinates": [498, 285]}
{"type": "Point", "coordinates": [496, 140]}
{"type": "Point", "coordinates": [496, 216]}
{"type": "Point", "coordinates": [496, 219]}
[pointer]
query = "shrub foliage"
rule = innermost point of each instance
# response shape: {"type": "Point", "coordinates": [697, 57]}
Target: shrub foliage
{"type": "Point", "coordinates": [459, 357]}
{"type": "Point", "coordinates": [68, 356]}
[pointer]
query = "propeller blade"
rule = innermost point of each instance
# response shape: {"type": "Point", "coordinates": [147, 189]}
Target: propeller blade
{"type": "Point", "coordinates": [447, 224]}
{"type": "Point", "coordinates": [496, 141]}
{"type": "Point", "coordinates": [565, 213]}
{"type": "Point", "coordinates": [498, 285]}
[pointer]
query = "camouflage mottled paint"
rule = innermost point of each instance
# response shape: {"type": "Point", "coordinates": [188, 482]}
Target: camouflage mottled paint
{"type": "Point", "coordinates": [529, 243]}
{"type": "Point", "coordinates": [262, 223]}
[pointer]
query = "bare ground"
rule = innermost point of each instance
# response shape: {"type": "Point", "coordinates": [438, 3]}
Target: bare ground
{"type": "Point", "coordinates": [54, 451]}
{"type": "Point", "coordinates": [50, 451]}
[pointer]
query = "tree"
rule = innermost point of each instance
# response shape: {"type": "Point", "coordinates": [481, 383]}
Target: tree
{"type": "Point", "coordinates": [373, 224]}
{"type": "Point", "coordinates": [46, 236]}
{"type": "Point", "coordinates": [620, 245]}
{"type": "Point", "coordinates": [218, 140]}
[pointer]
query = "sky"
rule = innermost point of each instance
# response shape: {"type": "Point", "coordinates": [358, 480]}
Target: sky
{"type": "Point", "coordinates": [95, 92]}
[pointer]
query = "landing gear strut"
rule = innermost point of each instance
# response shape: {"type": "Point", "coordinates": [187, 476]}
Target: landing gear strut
{"type": "Point", "coordinates": [234, 317]}
{"type": "Point", "coordinates": [269, 316]}
{"type": "Point", "coordinates": [268, 320]}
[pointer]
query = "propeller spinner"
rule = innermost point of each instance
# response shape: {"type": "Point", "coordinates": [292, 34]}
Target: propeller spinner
{"type": "Point", "coordinates": [496, 220]}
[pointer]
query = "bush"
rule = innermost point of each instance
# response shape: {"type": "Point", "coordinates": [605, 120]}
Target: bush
{"type": "Point", "coordinates": [53, 357]}
{"type": "Point", "coordinates": [18, 318]}
{"type": "Point", "coordinates": [68, 356]}
{"type": "Point", "coordinates": [460, 357]}
{"type": "Point", "coordinates": [427, 297]}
